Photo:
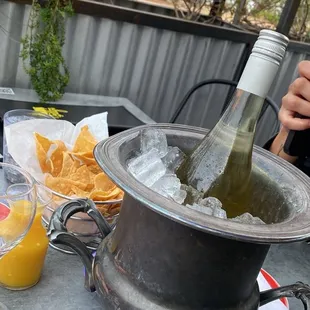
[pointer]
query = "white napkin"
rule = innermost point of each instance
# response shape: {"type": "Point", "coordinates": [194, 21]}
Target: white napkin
{"type": "Point", "coordinates": [263, 286]}
{"type": "Point", "coordinates": [21, 142]}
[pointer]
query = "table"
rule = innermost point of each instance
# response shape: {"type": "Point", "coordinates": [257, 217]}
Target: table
{"type": "Point", "coordinates": [122, 113]}
{"type": "Point", "coordinates": [61, 286]}
{"type": "Point", "coordinates": [62, 281]}
{"type": "Point", "coordinates": [86, 105]}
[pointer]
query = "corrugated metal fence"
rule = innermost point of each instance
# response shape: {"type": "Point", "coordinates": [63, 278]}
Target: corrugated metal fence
{"type": "Point", "coordinates": [152, 67]}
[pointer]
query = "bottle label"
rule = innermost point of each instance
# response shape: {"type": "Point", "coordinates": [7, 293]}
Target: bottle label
{"type": "Point", "coordinates": [258, 76]}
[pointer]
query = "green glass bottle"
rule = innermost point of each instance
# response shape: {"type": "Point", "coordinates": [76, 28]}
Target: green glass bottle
{"type": "Point", "coordinates": [221, 165]}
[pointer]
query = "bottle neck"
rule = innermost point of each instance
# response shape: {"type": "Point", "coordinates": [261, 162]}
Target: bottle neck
{"type": "Point", "coordinates": [258, 75]}
{"type": "Point", "coordinates": [253, 87]}
{"type": "Point", "coordinates": [243, 112]}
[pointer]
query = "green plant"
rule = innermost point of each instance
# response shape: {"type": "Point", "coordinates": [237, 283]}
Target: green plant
{"type": "Point", "coordinates": [42, 48]}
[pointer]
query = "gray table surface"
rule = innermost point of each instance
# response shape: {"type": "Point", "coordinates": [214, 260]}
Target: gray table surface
{"type": "Point", "coordinates": [61, 285]}
{"type": "Point", "coordinates": [28, 95]}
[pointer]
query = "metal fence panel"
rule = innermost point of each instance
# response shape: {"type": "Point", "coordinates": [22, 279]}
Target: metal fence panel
{"type": "Point", "coordinates": [153, 68]}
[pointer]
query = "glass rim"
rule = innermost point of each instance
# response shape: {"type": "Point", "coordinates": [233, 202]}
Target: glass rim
{"type": "Point", "coordinates": [7, 113]}
{"type": "Point", "coordinates": [31, 180]}
{"type": "Point", "coordinates": [47, 190]}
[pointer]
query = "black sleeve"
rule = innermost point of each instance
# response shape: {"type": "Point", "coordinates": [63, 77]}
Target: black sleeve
{"type": "Point", "coordinates": [267, 145]}
{"type": "Point", "coordinates": [302, 163]}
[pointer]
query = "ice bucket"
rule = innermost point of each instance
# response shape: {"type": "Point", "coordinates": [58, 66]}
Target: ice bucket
{"type": "Point", "coordinates": [162, 255]}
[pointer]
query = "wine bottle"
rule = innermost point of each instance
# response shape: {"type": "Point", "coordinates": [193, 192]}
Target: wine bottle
{"type": "Point", "coordinates": [221, 165]}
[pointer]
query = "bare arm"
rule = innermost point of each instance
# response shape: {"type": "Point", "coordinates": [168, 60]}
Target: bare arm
{"type": "Point", "coordinates": [278, 144]}
{"type": "Point", "coordinates": [297, 100]}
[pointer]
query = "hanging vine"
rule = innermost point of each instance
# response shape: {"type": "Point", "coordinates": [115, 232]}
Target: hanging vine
{"type": "Point", "coordinates": [42, 48]}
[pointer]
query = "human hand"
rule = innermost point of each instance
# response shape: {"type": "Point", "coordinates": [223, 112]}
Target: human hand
{"type": "Point", "coordinates": [297, 101]}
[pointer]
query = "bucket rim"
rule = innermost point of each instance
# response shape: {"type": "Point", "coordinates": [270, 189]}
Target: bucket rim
{"type": "Point", "coordinates": [295, 228]}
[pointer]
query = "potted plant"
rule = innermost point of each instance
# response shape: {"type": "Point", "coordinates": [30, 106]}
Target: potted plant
{"type": "Point", "coordinates": [42, 48]}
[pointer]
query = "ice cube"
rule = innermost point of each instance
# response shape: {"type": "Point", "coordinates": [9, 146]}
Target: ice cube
{"type": "Point", "coordinates": [147, 168]}
{"type": "Point", "coordinates": [179, 196]}
{"type": "Point", "coordinates": [219, 212]}
{"type": "Point", "coordinates": [201, 209]}
{"type": "Point", "coordinates": [210, 206]}
{"type": "Point", "coordinates": [174, 158]}
{"type": "Point", "coordinates": [152, 138]}
{"type": "Point", "coordinates": [211, 202]}
{"type": "Point", "coordinates": [168, 183]}
{"type": "Point", "coordinates": [161, 192]}
{"type": "Point", "coordinates": [215, 205]}
{"type": "Point", "coordinates": [247, 218]}
{"type": "Point", "coordinates": [169, 186]}
{"type": "Point", "coordinates": [141, 162]}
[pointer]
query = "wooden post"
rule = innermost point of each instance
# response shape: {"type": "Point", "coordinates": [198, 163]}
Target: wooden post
{"type": "Point", "coordinates": [240, 7]}
{"type": "Point", "coordinates": [217, 7]}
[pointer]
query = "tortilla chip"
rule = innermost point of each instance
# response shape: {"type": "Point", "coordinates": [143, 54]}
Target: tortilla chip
{"type": "Point", "coordinates": [84, 159]}
{"type": "Point", "coordinates": [102, 182]}
{"type": "Point", "coordinates": [99, 195]}
{"type": "Point", "coordinates": [57, 158]}
{"type": "Point", "coordinates": [76, 165]}
{"type": "Point", "coordinates": [120, 195]}
{"type": "Point", "coordinates": [85, 141]}
{"type": "Point", "coordinates": [81, 175]}
{"type": "Point", "coordinates": [95, 169]}
{"type": "Point", "coordinates": [45, 142]}
{"type": "Point", "coordinates": [114, 209]}
{"type": "Point", "coordinates": [44, 162]}
{"type": "Point", "coordinates": [90, 187]}
{"type": "Point", "coordinates": [76, 173]}
{"type": "Point", "coordinates": [87, 154]}
{"type": "Point", "coordinates": [62, 185]}
{"type": "Point", "coordinates": [103, 209]}
{"type": "Point", "coordinates": [67, 164]}
{"type": "Point", "coordinates": [80, 193]}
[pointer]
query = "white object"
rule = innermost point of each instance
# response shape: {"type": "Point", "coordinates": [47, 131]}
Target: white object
{"type": "Point", "coordinates": [201, 209]}
{"type": "Point", "coordinates": [152, 138]}
{"type": "Point", "coordinates": [168, 183]}
{"type": "Point", "coordinates": [21, 142]}
{"type": "Point", "coordinates": [264, 64]}
{"type": "Point", "coordinates": [210, 206]}
{"type": "Point", "coordinates": [247, 218]}
{"type": "Point", "coordinates": [174, 158]}
{"type": "Point", "coordinates": [169, 186]}
{"type": "Point", "coordinates": [6, 91]}
{"type": "Point", "coordinates": [147, 168]}
{"type": "Point", "coordinates": [179, 196]}
{"type": "Point", "coordinates": [263, 286]}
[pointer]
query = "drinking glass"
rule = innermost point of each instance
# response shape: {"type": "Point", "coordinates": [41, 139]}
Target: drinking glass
{"type": "Point", "coordinates": [22, 267]}
{"type": "Point", "coordinates": [12, 117]}
{"type": "Point", "coordinates": [17, 208]}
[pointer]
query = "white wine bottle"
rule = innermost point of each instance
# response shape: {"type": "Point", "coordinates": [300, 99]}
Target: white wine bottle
{"type": "Point", "coordinates": [220, 166]}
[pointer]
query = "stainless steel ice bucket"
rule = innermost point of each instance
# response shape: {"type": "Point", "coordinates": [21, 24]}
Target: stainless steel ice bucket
{"type": "Point", "coordinates": [162, 255]}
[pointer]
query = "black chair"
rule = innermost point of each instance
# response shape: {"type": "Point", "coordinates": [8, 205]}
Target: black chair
{"type": "Point", "coordinates": [268, 101]}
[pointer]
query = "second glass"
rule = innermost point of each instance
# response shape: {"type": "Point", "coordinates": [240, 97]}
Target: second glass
{"type": "Point", "coordinates": [12, 117]}
{"type": "Point", "coordinates": [22, 267]}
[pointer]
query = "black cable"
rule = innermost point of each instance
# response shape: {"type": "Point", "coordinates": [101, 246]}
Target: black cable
{"type": "Point", "coordinates": [184, 101]}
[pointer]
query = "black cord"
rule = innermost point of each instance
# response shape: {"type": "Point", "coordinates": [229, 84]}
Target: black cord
{"type": "Point", "coordinates": [184, 101]}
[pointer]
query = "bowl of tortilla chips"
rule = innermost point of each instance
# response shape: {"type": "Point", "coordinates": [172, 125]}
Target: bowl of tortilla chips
{"type": "Point", "coordinates": [73, 173]}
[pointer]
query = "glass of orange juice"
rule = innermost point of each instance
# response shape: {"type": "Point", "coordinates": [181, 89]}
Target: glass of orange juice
{"type": "Point", "coordinates": [22, 267]}
{"type": "Point", "coordinates": [17, 209]}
